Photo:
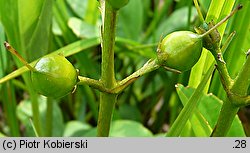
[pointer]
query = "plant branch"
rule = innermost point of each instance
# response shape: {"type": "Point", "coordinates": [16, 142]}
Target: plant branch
{"type": "Point", "coordinates": [242, 81]}
{"type": "Point", "coordinates": [237, 97]}
{"type": "Point", "coordinates": [226, 80]}
{"type": "Point", "coordinates": [92, 83]}
{"type": "Point", "coordinates": [227, 115]}
{"type": "Point", "coordinates": [151, 65]}
{"type": "Point", "coordinates": [240, 101]}
{"type": "Point", "coordinates": [107, 101]}
{"type": "Point", "coordinates": [49, 118]}
{"type": "Point", "coordinates": [14, 52]}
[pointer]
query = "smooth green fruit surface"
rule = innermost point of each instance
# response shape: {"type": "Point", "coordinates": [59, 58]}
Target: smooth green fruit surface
{"type": "Point", "coordinates": [54, 77]}
{"type": "Point", "coordinates": [180, 50]}
{"type": "Point", "coordinates": [117, 4]}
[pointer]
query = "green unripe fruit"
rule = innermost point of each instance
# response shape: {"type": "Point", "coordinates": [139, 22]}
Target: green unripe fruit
{"type": "Point", "coordinates": [117, 4]}
{"type": "Point", "coordinates": [180, 50]}
{"type": "Point", "coordinates": [54, 76]}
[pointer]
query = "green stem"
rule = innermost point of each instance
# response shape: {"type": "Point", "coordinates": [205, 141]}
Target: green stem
{"type": "Point", "coordinates": [92, 83]}
{"type": "Point", "coordinates": [33, 127]}
{"type": "Point", "coordinates": [242, 81]}
{"type": "Point", "coordinates": [199, 11]}
{"type": "Point", "coordinates": [151, 65]}
{"type": "Point", "coordinates": [35, 111]}
{"type": "Point", "coordinates": [49, 118]}
{"type": "Point", "coordinates": [14, 52]}
{"type": "Point", "coordinates": [34, 106]}
{"type": "Point", "coordinates": [228, 110]}
{"type": "Point", "coordinates": [226, 80]}
{"type": "Point", "coordinates": [107, 101]}
{"type": "Point", "coordinates": [226, 117]}
{"type": "Point", "coordinates": [237, 96]}
{"type": "Point", "coordinates": [238, 93]}
{"type": "Point", "coordinates": [222, 21]}
{"type": "Point", "coordinates": [9, 105]}
{"type": "Point", "coordinates": [108, 42]}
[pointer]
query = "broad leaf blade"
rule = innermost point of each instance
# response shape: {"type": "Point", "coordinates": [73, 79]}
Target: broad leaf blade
{"type": "Point", "coordinates": [24, 113]}
{"type": "Point", "coordinates": [198, 122]}
{"type": "Point", "coordinates": [124, 128]}
{"type": "Point", "coordinates": [75, 129]}
{"type": "Point", "coordinates": [128, 128]}
{"type": "Point", "coordinates": [209, 108]}
{"type": "Point", "coordinates": [30, 37]}
{"type": "Point", "coordinates": [189, 108]}
{"type": "Point", "coordinates": [130, 21]}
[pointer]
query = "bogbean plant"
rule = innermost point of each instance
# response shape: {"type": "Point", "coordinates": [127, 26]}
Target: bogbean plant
{"type": "Point", "coordinates": [54, 76]}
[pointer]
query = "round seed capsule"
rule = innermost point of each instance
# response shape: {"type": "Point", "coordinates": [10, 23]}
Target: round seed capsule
{"type": "Point", "coordinates": [180, 50]}
{"type": "Point", "coordinates": [54, 76]}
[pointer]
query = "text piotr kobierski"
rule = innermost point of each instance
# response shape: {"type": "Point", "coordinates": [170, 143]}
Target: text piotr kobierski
{"type": "Point", "coordinates": [53, 144]}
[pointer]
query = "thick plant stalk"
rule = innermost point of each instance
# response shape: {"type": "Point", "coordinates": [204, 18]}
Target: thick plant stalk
{"type": "Point", "coordinates": [242, 81]}
{"type": "Point", "coordinates": [237, 96]}
{"type": "Point", "coordinates": [227, 115]}
{"type": "Point", "coordinates": [107, 101]}
{"type": "Point", "coordinates": [49, 118]}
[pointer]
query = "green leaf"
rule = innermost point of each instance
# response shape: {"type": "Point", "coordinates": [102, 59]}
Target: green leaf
{"type": "Point", "coordinates": [129, 112]}
{"type": "Point", "coordinates": [24, 113]}
{"type": "Point", "coordinates": [82, 29]}
{"type": "Point", "coordinates": [27, 25]}
{"type": "Point", "coordinates": [78, 6]}
{"type": "Point", "coordinates": [127, 128]}
{"type": "Point", "coordinates": [2, 135]}
{"type": "Point", "coordinates": [91, 133]}
{"type": "Point", "coordinates": [204, 4]}
{"type": "Point", "coordinates": [130, 20]}
{"type": "Point", "coordinates": [32, 35]}
{"type": "Point", "coordinates": [3, 53]}
{"type": "Point", "coordinates": [189, 108]}
{"type": "Point", "coordinates": [61, 14]}
{"type": "Point", "coordinates": [172, 24]}
{"type": "Point", "coordinates": [199, 124]}
{"type": "Point", "coordinates": [209, 110]}
{"type": "Point", "coordinates": [90, 99]}
{"type": "Point", "coordinates": [187, 130]}
{"type": "Point", "coordinates": [75, 129]}
{"type": "Point", "coordinates": [124, 128]}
